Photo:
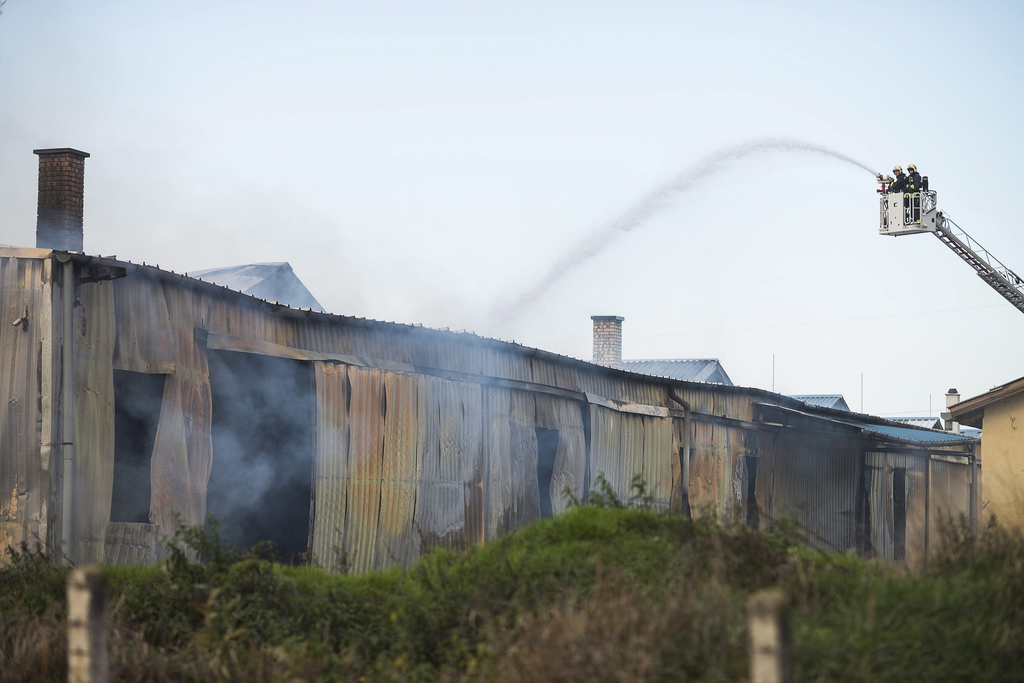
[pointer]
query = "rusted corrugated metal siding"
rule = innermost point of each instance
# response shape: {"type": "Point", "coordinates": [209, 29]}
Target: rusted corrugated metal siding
{"type": "Point", "coordinates": [457, 406]}
{"type": "Point", "coordinates": [525, 507]}
{"type": "Point", "coordinates": [625, 445]}
{"type": "Point", "coordinates": [24, 476]}
{"type": "Point", "coordinates": [330, 467]}
{"type": "Point", "coordinates": [815, 483]}
{"type": "Point", "coordinates": [675, 464]}
{"type": "Point", "coordinates": [762, 445]}
{"type": "Point", "coordinates": [881, 483]}
{"type": "Point", "coordinates": [916, 502]}
{"type": "Point", "coordinates": [183, 448]}
{"type": "Point", "coordinates": [409, 471]}
{"type": "Point", "coordinates": [882, 513]}
{"type": "Point", "coordinates": [145, 332]}
{"type": "Point", "coordinates": [709, 465]}
{"type": "Point", "coordinates": [605, 446]}
{"type": "Point", "coordinates": [94, 419]}
{"type": "Point", "coordinates": [128, 543]}
{"type": "Point", "coordinates": [365, 466]}
{"type": "Point", "coordinates": [951, 485]}
{"type": "Point", "coordinates": [658, 455]}
{"type": "Point", "coordinates": [498, 435]}
{"type": "Point", "coordinates": [630, 455]}
{"type": "Point", "coordinates": [397, 542]}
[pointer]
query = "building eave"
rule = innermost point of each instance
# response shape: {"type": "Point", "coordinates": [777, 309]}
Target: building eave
{"type": "Point", "coordinates": [972, 411]}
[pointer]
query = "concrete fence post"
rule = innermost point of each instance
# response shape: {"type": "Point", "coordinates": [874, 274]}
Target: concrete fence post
{"type": "Point", "coordinates": [87, 626]}
{"type": "Point", "coordinates": [768, 624]}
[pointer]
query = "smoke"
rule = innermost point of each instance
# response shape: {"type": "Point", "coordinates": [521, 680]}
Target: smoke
{"type": "Point", "coordinates": [262, 429]}
{"type": "Point", "coordinates": [644, 209]}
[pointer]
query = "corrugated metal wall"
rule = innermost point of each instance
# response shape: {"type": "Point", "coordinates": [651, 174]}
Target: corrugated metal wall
{"type": "Point", "coordinates": [710, 467]}
{"type": "Point", "coordinates": [815, 483]}
{"type": "Point", "coordinates": [24, 475]}
{"type": "Point", "coordinates": [950, 493]}
{"type": "Point", "coordinates": [94, 419]}
{"type": "Point", "coordinates": [925, 511]}
{"type": "Point", "coordinates": [623, 445]}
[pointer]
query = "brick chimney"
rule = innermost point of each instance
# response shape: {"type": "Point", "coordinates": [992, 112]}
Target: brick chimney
{"type": "Point", "coordinates": [607, 339]}
{"type": "Point", "coordinates": [61, 193]}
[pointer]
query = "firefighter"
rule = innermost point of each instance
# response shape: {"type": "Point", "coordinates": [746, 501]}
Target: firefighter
{"type": "Point", "coordinates": [912, 200]}
{"type": "Point", "coordinates": [913, 179]}
{"type": "Point", "coordinates": [900, 184]}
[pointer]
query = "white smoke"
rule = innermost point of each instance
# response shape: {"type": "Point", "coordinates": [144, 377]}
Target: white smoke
{"type": "Point", "coordinates": [644, 209]}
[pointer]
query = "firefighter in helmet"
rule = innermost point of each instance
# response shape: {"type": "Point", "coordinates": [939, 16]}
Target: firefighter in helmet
{"type": "Point", "coordinates": [913, 179]}
{"type": "Point", "coordinates": [901, 181]}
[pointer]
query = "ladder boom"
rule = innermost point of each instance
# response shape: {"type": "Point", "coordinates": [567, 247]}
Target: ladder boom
{"type": "Point", "coordinates": [988, 267]}
{"type": "Point", "coordinates": [909, 213]}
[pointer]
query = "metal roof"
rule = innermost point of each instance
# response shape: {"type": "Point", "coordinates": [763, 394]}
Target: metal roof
{"type": "Point", "coordinates": [927, 422]}
{"type": "Point", "coordinates": [924, 437]}
{"type": "Point", "coordinates": [624, 370]}
{"type": "Point", "coordinates": [880, 427]}
{"type": "Point", "coordinates": [835, 401]}
{"type": "Point", "coordinates": [267, 281]}
{"type": "Point", "coordinates": [689, 369]}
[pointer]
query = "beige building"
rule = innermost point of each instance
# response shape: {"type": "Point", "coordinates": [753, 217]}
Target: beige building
{"type": "Point", "coordinates": [1000, 414]}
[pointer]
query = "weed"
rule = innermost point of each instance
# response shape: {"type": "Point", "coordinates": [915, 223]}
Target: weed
{"type": "Point", "coordinates": [609, 591]}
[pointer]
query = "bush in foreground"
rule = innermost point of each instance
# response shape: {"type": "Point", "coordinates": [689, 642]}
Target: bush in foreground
{"type": "Point", "coordinates": [597, 594]}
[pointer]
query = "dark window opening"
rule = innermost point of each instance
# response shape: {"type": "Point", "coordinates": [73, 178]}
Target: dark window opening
{"type": "Point", "coordinates": [547, 449]}
{"type": "Point", "coordinates": [137, 400]}
{"type": "Point", "coordinates": [684, 493]}
{"type": "Point", "coordinates": [751, 515]}
{"type": "Point", "coordinates": [899, 513]}
{"type": "Point", "coordinates": [261, 479]}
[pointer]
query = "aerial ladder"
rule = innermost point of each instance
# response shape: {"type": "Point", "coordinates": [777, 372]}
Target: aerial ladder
{"type": "Point", "coordinates": [910, 213]}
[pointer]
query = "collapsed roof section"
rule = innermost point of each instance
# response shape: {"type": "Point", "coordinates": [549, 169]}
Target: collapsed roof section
{"type": "Point", "coordinates": [686, 369]}
{"type": "Point", "coordinates": [835, 401]}
{"type": "Point", "coordinates": [275, 282]}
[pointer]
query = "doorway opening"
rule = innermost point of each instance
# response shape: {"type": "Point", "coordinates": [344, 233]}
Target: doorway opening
{"type": "Point", "coordinates": [261, 479]}
{"type": "Point", "coordinates": [547, 451]}
{"type": "Point", "coordinates": [899, 513]}
{"type": "Point", "coordinates": [137, 400]}
{"type": "Point", "coordinates": [751, 515]}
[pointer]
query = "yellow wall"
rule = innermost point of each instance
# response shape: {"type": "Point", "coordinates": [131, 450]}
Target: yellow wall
{"type": "Point", "coordinates": [1003, 462]}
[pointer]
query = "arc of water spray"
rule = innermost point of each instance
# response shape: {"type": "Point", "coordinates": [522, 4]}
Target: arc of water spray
{"type": "Point", "coordinates": [644, 209]}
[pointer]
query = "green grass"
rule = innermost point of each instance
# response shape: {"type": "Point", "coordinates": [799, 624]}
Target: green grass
{"type": "Point", "coordinates": [601, 593]}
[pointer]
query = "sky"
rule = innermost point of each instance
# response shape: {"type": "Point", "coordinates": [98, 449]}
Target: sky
{"type": "Point", "coordinates": [469, 165]}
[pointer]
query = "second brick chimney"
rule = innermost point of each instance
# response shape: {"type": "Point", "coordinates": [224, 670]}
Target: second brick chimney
{"type": "Point", "coordinates": [607, 339]}
{"type": "Point", "coordinates": [61, 198]}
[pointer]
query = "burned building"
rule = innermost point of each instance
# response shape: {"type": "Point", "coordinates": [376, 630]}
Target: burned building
{"type": "Point", "coordinates": [137, 399]}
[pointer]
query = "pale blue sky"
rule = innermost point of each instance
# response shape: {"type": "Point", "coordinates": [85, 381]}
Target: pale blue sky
{"type": "Point", "coordinates": [429, 161]}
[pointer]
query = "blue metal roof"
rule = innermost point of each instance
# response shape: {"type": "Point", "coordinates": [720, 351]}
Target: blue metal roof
{"type": "Point", "coordinates": [929, 422]}
{"type": "Point", "coordinates": [834, 401]}
{"type": "Point", "coordinates": [926, 437]}
{"type": "Point", "coordinates": [687, 369]}
{"type": "Point", "coordinates": [267, 281]}
{"type": "Point", "coordinates": [914, 436]}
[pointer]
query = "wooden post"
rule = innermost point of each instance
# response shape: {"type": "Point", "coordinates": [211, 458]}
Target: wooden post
{"type": "Point", "coordinates": [768, 624]}
{"type": "Point", "coordinates": [87, 626]}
